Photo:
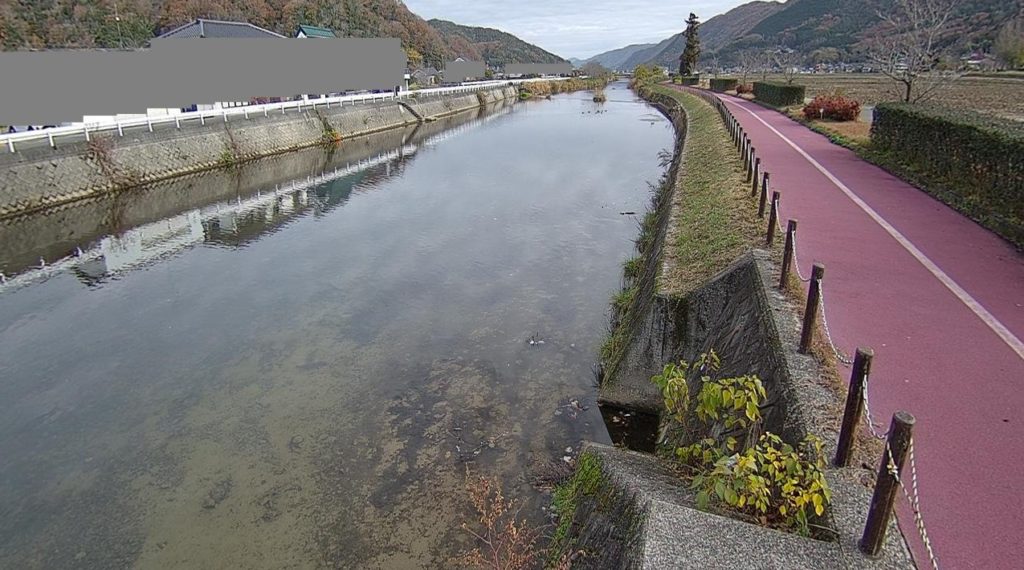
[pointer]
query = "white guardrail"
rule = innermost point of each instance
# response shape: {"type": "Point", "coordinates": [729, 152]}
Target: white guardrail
{"type": "Point", "coordinates": [88, 129]}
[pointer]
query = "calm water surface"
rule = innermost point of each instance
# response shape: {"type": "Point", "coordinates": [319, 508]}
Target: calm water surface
{"type": "Point", "coordinates": [302, 377]}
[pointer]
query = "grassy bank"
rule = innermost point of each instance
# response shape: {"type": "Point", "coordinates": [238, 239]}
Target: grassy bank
{"type": "Point", "coordinates": [714, 218]}
{"type": "Point", "coordinates": [711, 220]}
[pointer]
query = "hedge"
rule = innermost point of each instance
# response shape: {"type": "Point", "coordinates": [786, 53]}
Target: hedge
{"type": "Point", "coordinates": [970, 161]}
{"type": "Point", "coordinates": [691, 80]}
{"type": "Point", "coordinates": [779, 94]}
{"type": "Point", "coordinates": [722, 85]}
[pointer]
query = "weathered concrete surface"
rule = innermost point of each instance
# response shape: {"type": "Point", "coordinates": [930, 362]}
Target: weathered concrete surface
{"type": "Point", "coordinates": [663, 529]}
{"type": "Point", "coordinates": [41, 177]}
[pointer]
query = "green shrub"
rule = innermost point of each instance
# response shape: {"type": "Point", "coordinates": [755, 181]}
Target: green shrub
{"type": "Point", "coordinates": [779, 94]}
{"type": "Point", "coordinates": [724, 84]}
{"type": "Point", "coordinates": [691, 80]}
{"type": "Point", "coordinates": [970, 161]}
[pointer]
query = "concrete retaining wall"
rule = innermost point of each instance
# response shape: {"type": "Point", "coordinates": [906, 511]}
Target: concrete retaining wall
{"type": "Point", "coordinates": [41, 177]}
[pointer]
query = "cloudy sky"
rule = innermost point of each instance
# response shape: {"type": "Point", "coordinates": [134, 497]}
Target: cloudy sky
{"type": "Point", "coordinates": [575, 28]}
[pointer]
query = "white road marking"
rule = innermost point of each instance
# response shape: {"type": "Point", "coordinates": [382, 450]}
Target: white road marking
{"type": "Point", "coordinates": [986, 317]}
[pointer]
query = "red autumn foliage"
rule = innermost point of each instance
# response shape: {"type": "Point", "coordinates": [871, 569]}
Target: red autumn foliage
{"type": "Point", "coordinates": [832, 107]}
{"type": "Point", "coordinates": [744, 88]}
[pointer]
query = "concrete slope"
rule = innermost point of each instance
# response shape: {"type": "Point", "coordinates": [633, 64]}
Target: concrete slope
{"type": "Point", "coordinates": [941, 301]}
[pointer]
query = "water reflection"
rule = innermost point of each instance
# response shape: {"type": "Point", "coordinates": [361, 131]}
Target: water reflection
{"type": "Point", "coordinates": [300, 376]}
{"type": "Point", "coordinates": [230, 223]}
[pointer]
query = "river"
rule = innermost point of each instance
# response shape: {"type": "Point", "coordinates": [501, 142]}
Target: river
{"type": "Point", "coordinates": [302, 374]}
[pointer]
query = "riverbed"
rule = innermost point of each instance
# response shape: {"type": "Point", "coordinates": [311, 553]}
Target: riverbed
{"type": "Point", "coordinates": [302, 375]}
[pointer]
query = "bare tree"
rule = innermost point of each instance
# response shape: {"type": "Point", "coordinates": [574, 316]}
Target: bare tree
{"type": "Point", "coordinates": [789, 61]}
{"type": "Point", "coordinates": [714, 65]}
{"type": "Point", "coordinates": [1009, 44]}
{"type": "Point", "coordinates": [749, 61]}
{"type": "Point", "coordinates": [907, 47]}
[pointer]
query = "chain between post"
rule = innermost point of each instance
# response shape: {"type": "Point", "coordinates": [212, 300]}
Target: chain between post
{"type": "Point", "coordinates": [913, 499]}
{"type": "Point", "coordinates": [828, 335]}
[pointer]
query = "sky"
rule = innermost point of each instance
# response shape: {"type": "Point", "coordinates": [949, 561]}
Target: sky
{"type": "Point", "coordinates": [575, 28]}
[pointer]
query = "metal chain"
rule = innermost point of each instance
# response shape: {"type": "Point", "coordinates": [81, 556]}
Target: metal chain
{"type": "Point", "coordinates": [913, 498]}
{"type": "Point", "coordinates": [824, 321]}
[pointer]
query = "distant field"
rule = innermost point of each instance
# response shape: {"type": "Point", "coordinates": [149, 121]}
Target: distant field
{"type": "Point", "coordinates": [996, 95]}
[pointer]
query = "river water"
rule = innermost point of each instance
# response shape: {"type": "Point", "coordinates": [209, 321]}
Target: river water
{"type": "Point", "coordinates": [296, 364]}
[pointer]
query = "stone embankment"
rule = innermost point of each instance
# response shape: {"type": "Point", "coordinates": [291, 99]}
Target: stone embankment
{"type": "Point", "coordinates": [42, 177]}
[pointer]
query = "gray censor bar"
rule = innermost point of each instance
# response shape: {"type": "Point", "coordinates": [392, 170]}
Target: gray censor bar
{"type": "Point", "coordinates": [55, 86]}
{"type": "Point", "coordinates": [538, 68]}
{"type": "Point", "coordinates": [459, 71]}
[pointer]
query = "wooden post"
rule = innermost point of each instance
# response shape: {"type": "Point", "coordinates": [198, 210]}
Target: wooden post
{"type": "Point", "coordinates": [854, 405]}
{"type": "Point", "coordinates": [773, 217]}
{"type": "Point", "coordinates": [886, 488]}
{"type": "Point", "coordinates": [761, 203]}
{"type": "Point", "coordinates": [787, 253]}
{"type": "Point", "coordinates": [811, 312]}
{"type": "Point", "coordinates": [751, 152]}
{"type": "Point", "coordinates": [757, 170]}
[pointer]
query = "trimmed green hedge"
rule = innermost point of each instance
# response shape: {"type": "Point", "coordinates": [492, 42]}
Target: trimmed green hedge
{"type": "Point", "coordinates": [690, 80]}
{"type": "Point", "coordinates": [970, 161]}
{"type": "Point", "coordinates": [779, 94]}
{"type": "Point", "coordinates": [724, 84]}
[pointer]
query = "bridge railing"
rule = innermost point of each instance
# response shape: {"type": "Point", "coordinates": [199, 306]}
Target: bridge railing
{"type": "Point", "coordinates": [11, 140]}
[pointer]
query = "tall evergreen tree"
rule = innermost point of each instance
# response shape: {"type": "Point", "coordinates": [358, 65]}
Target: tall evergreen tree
{"type": "Point", "coordinates": [688, 59]}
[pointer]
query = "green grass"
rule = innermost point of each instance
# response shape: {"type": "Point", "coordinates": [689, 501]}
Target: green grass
{"type": "Point", "coordinates": [714, 218]}
{"type": "Point", "coordinates": [585, 482]}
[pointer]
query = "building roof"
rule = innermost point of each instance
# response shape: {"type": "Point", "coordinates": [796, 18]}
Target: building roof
{"type": "Point", "coordinates": [202, 28]}
{"type": "Point", "coordinates": [426, 71]}
{"type": "Point", "coordinates": [315, 31]}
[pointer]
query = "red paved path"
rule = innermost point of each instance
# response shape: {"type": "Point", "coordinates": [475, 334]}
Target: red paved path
{"type": "Point", "coordinates": [934, 356]}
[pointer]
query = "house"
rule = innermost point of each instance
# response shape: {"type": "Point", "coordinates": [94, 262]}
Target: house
{"type": "Point", "coordinates": [305, 31]}
{"type": "Point", "coordinates": [425, 77]}
{"type": "Point", "coordinates": [203, 28]}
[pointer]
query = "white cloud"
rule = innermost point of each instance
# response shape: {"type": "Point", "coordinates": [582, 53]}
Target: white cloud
{"type": "Point", "coordinates": [575, 28]}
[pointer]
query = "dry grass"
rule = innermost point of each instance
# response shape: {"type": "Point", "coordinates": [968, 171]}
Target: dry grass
{"type": "Point", "coordinates": [1001, 96]}
{"type": "Point", "coordinates": [503, 541]}
{"type": "Point", "coordinates": [714, 219]}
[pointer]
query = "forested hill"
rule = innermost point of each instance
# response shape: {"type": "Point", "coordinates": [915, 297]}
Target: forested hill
{"type": "Point", "coordinates": [492, 46]}
{"type": "Point", "coordinates": [823, 30]}
{"type": "Point", "coordinates": [90, 23]}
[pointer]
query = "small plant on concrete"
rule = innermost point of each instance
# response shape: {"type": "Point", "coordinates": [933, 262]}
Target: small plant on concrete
{"type": "Point", "coordinates": [773, 481]}
{"type": "Point", "coordinates": [674, 390]}
{"type": "Point", "coordinates": [226, 159]}
{"type": "Point", "coordinates": [761, 476]}
{"type": "Point", "coordinates": [503, 542]}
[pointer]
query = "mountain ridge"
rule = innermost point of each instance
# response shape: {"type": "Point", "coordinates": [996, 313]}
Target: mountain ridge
{"type": "Point", "coordinates": [820, 30]}
{"type": "Point", "coordinates": [91, 24]}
